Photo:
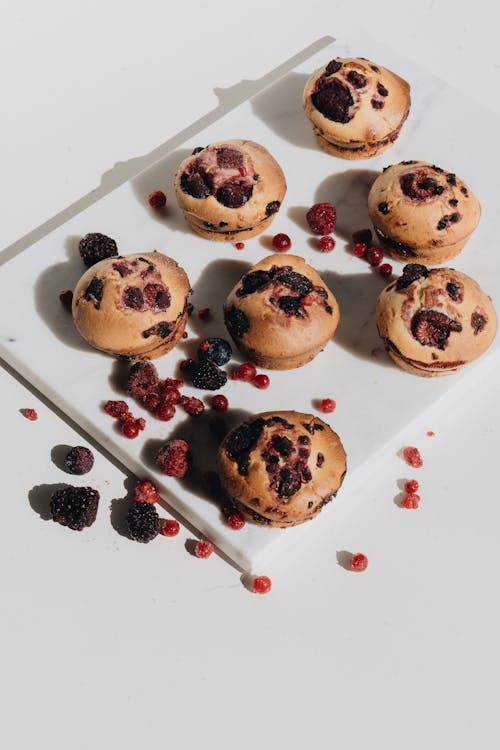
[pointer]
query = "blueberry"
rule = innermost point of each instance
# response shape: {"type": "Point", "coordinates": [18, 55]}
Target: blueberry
{"type": "Point", "coordinates": [215, 350]}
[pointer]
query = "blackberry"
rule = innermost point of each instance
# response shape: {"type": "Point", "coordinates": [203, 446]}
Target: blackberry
{"type": "Point", "coordinates": [236, 322]}
{"type": "Point", "coordinates": [143, 522]}
{"type": "Point", "coordinates": [208, 376]}
{"type": "Point", "coordinates": [75, 507]}
{"type": "Point", "coordinates": [215, 350]}
{"type": "Point", "coordinates": [79, 460]}
{"type": "Point", "coordinates": [95, 247]}
{"type": "Point", "coordinates": [142, 379]}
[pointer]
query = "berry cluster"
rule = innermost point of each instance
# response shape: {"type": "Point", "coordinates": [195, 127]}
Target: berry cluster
{"type": "Point", "coordinates": [322, 218]}
{"type": "Point", "coordinates": [363, 248]}
{"type": "Point", "coordinates": [143, 521]}
{"type": "Point", "coordinates": [130, 426]}
{"type": "Point", "coordinates": [248, 373]}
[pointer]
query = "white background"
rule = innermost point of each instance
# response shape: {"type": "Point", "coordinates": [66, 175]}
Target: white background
{"type": "Point", "coordinates": [167, 648]}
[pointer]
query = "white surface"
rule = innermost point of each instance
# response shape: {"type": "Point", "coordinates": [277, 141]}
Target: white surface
{"type": "Point", "coordinates": [152, 645]}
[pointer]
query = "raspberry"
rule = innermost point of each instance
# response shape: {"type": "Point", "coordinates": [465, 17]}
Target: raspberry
{"type": "Point", "coordinates": [75, 507]}
{"type": "Point", "coordinates": [208, 376]}
{"type": "Point", "coordinates": [30, 414]}
{"type": "Point", "coordinates": [247, 372]}
{"type": "Point", "coordinates": [79, 460]}
{"type": "Point", "coordinates": [151, 401]}
{"type": "Point", "coordinates": [374, 255]}
{"type": "Point", "coordinates": [359, 250]}
{"type": "Point", "coordinates": [116, 409]}
{"type": "Point", "coordinates": [326, 244]}
{"type": "Point", "coordinates": [95, 247]}
{"type": "Point", "coordinates": [411, 486]}
{"type": "Point", "coordinates": [157, 200]}
{"type": "Point", "coordinates": [141, 423]}
{"type": "Point", "coordinates": [261, 585]}
{"type": "Point", "coordinates": [170, 395]}
{"type": "Point", "coordinates": [145, 492]}
{"type": "Point", "coordinates": [281, 243]}
{"type": "Point", "coordinates": [130, 430]}
{"type": "Point", "coordinates": [412, 456]}
{"type": "Point", "coordinates": [235, 521]}
{"type": "Point", "coordinates": [219, 403]}
{"type": "Point", "coordinates": [216, 350]}
{"type": "Point", "coordinates": [67, 299]}
{"type": "Point", "coordinates": [322, 218]}
{"type": "Point", "coordinates": [327, 405]}
{"type": "Point", "coordinates": [172, 383]}
{"type": "Point", "coordinates": [142, 379]}
{"type": "Point", "coordinates": [410, 502]}
{"type": "Point", "coordinates": [359, 562]}
{"type": "Point", "coordinates": [170, 528]}
{"type": "Point", "coordinates": [385, 270]}
{"type": "Point", "coordinates": [363, 236]}
{"type": "Point", "coordinates": [172, 458]}
{"type": "Point", "coordinates": [192, 406]}
{"type": "Point", "coordinates": [261, 381]}
{"type": "Point", "coordinates": [165, 412]}
{"type": "Point", "coordinates": [203, 549]}
{"type": "Point", "coordinates": [143, 522]}
{"type": "Point", "coordinates": [240, 246]}
{"type": "Point", "coordinates": [205, 314]}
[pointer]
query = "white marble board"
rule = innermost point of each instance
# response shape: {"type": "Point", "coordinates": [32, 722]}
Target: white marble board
{"type": "Point", "coordinates": [376, 401]}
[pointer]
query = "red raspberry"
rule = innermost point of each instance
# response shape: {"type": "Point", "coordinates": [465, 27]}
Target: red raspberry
{"type": "Point", "coordinates": [385, 270]}
{"type": "Point", "coordinates": [172, 458]}
{"type": "Point", "coordinates": [145, 492]}
{"type": "Point", "coordinates": [374, 255]}
{"type": "Point", "coordinates": [327, 405]}
{"type": "Point", "coordinates": [410, 502]}
{"type": "Point", "coordinates": [359, 562]}
{"type": "Point", "coordinates": [30, 414]}
{"type": "Point", "coordinates": [205, 313]}
{"type": "Point", "coordinates": [158, 199]}
{"type": "Point", "coordinates": [261, 585]}
{"type": "Point", "coordinates": [130, 430]}
{"type": "Point", "coordinates": [322, 218]}
{"type": "Point", "coordinates": [170, 528]}
{"type": "Point", "coordinates": [165, 412]}
{"type": "Point", "coordinates": [192, 406]}
{"type": "Point", "coordinates": [151, 401]}
{"type": "Point", "coordinates": [247, 371]}
{"type": "Point", "coordinates": [240, 246]}
{"type": "Point", "coordinates": [261, 381]}
{"type": "Point", "coordinates": [412, 456]}
{"type": "Point", "coordinates": [203, 549]}
{"type": "Point", "coordinates": [219, 403]}
{"type": "Point", "coordinates": [67, 299]}
{"type": "Point", "coordinates": [362, 236]}
{"type": "Point", "coordinates": [172, 383]}
{"type": "Point", "coordinates": [116, 409]}
{"type": "Point", "coordinates": [359, 250]}
{"type": "Point", "coordinates": [326, 244]}
{"type": "Point", "coordinates": [411, 486]}
{"type": "Point", "coordinates": [235, 521]}
{"type": "Point", "coordinates": [141, 423]}
{"type": "Point", "coordinates": [281, 243]}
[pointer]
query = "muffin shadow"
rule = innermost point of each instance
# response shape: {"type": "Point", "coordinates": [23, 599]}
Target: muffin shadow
{"type": "Point", "coordinates": [211, 290]}
{"type": "Point", "coordinates": [280, 107]}
{"type": "Point", "coordinates": [348, 191]}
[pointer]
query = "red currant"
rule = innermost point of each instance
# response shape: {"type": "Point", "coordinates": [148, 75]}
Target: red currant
{"type": "Point", "coordinates": [281, 243]}
{"type": "Point", "coordinates": [374, 255]}
{"type": "Point", "coordinates": [158, 199]}
{"type": "Point", "coordinates": [385, 270]}
{"type": "Point", "coordinates": [359, 250]}
{"type": "Point", "coordinates": [411, 486]}
{"type": "Point", "coordinates": [235, 521]}
{"type": "Point", "coordinates": [219, 403]}
{"type": "Point", "coordinates": [30, 414]}
{"type": "Point", "coordinates": [247, 372]}
{"type": "Point", "coordinates": [203, 549]}
{"type": "Point", "coordinates": [170, 528]}
{"type": "Point", "coordinates": [261, 381]}
{"type": "Point", "coordinates": [261, 585]}
{"type": "Point", "coordinates": [130, 429]}
{"type": "Point", "coordinates": [359, 562]}
{"type": "Point", "coordinates": [327, 405]}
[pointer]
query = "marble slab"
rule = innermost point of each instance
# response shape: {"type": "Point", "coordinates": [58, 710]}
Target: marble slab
{"type": "Point", "coordinates": [377, 402]}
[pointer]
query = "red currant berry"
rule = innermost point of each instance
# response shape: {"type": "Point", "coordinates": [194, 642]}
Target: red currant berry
{"type": "Point", "coordinates": [170, 395]}
{"type": "Point", "coordinates": [261, 585]}
{"type": "Point", "coordinates": [359, 250]}
{"type": "Point", "coordinates": [362, 235]}
{"type": "Point", "coordinates": [157, 200]}
{"type": "Point", "coordinates": [219, 403]}
{"type": "Point", "coordinates": [141, 423]}
{"type": "Point", "coordinates": [151, 401]}
{"type": "Point", "coordinates": [327, 405]}
{"type": "Point", "coordinates": [240, 246]}
{"type": "Point", "coordinates": [374, 255]}
{"type": "Point", "coordinates": [247, 372]}
{"type": "Point", "coordinates": [185, 335]}
{"type": "Point", "coordinates": [359, 562]}
{"type": "Point", "coordinates": [326, 244]}
{"type": "Point", "coordinates": [170, 528]}
{"type": "Point", "coordinates": [235, 521]}
{"type": "Point", "coordinates": [281, 243]}
{"type": "Point", "coordinates": [412, 456]}
{"type": "Point", "coordinates": [30, 414]}
{"type": "Point", "coordinates": [430, 433]}
{"type": "Point", "coordinates": [203, 549]}
{"type": "Point", "coordinates": [411, 486]}
{"type": "Point", "coordinates": [385, 270]}
{"type": "Point", "coordinates": [261, 381]}
{"type": "Point", "coordinates": [165, 412]}
{"type": "Point", "coordinates": [130, 429]}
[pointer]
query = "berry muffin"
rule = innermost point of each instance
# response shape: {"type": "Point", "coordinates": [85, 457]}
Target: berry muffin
{"type": "Point", "coordinates": [281, 313]}
{"type": "Point", "coordinates": [230, 191]}
{"type": "Point", "coordinates": [435, 322]}
{"type": "Point", "coordinates": [356, 108]}
{"type": "Point", "coordinates": [422, 212]}
{"type": "Point", "coordinates": [280, 468]}
{"type": "Point", "coordinates": [133, 306]}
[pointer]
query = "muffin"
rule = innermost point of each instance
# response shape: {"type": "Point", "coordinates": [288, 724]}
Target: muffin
{"type": "Point", "coordinates": [230, 191]}
{"type": "Point", "coordinates": [422, 212]}
{"type": "Point", "coordinates": [280, 468]}
{"type": "Point", "coordinates": [133, 306]}
{"type": "Point", "coordinates": [281, 313]}
{"type": "Point", "coordinates": [356, 108]}
{"type": "Point", "coordinates": [434, 322]}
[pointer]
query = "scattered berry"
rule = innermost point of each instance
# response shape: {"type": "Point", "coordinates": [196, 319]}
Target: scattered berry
{"type": "Point", "coordinates": [322, 218]}
{"type": "Point", "coordinates": [235, 521]}
{"type": "Point", "coordinates": [67, 299]}
{"type": "Point", "coordinates": [157, 200]}
{"type": "Point", "coordinates": [203, 549]}
{"type": "Point", "coordinates": [261, 585]}
{"type": "Point", "coordinates": [359, 250]}
{"type": "Point", "coordinates": [170, 395]}
{"type": "Point", "coordinates": [170, 528]}
{"type": "Point", "coordinates": [261, 381]}
{"type": "Point", "coordinates": [185, 335]}
{"type": "Point", "coordinates": [79, 460]}
{"type": "Point", "coordinates": [412, 456]}
{"type": "Point", "coordinates": [411, 486]}
{"type": "Point", "coordinates": [165, 412]}
{"type": "Point", "coordinates": [410, 502]}
{"type": "Point", "coordinates": [374, 255]}
{"type": "Point", "coordinates": [95, 247]}
{"type": "Point", "coordinates": [208, 376]}
{"type": "Point", "coordinates": [363, 236]}
{"type": "Point", "coordinates": [385, 270]}
{"type": "Point", "coordinates": [30, 414]}
{"type": "Point", "coordinates": [141, 423]}
{"type": "Point", "coordinates": [240, 246]}
{"type": "Point", "coordinates": [192, 406]}
{"type": "Point", "coordinates": [219, 403]}
{"type": "Point", "coordinates": [327, 405]}
{"type": "Point", "coordinates": [216, 350]}
{"type": "Point", "coordinates": [172, 383]}
{"type": "Point", "coordinates": [247, 372]}
{"type": "Point", "coordinates": [430, 433]}
{"type": "Point", "coordinates": [143, 522]}
{"type": "Point", "coordinates": [326, 244]}
{"type": "Point", "coordinates": [205, 313]}
{"type": "Point", "coordinates": [75, 507]}
{"type": "Point", "coordinates": [145, 492]}
{"type": "Point", "coordinates": [359, 562]}
{"type": "Point", "coordinates": [142, 379]}
{"type": "Point", "coordinates": [130, 430]}
{"type": "Point", "coordinates": [116, 409]}
{"type": "Point", "coordinates": [172, 459]}
{"type": "Point", "coordinates": [281, 243]}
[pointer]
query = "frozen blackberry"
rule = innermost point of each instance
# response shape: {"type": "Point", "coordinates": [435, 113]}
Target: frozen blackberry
{"type": "Point", "coordinates": [208, 376]}
{"type": "Point", "coordinates": [95, 247]}
{"type": "Point", "coordinates": [215, 350]}
{"type": "Point", "coordinates": [142, 379]}
{"type": "Point", "coordinates": [79, 460]}
{"type": "Point", "coordinates": [143, 522]}
{"type": "Point", "coordinates": [75, 507]}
